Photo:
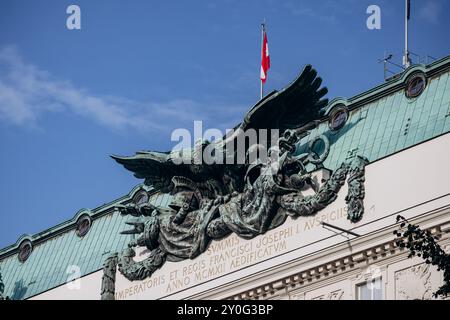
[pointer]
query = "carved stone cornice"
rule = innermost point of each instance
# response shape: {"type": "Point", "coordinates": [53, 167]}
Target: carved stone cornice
{"type": "Point", "coordinates": [339, 266]}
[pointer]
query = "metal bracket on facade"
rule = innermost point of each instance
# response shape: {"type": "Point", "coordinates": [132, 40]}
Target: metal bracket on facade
{"type": "Point", "coordinates": [327, 226]}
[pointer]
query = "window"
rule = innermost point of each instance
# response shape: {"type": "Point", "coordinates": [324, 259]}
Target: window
{"type": "Point", "coordinates": [25, 250]}
{"type": "Point", "coordinates": [415, 85]}
{"type": "Point", "coordinates": [370, 290]}
{"type": "Point", "coordinates": [338, 118]}
{"type": "Point", "coordinates": [83, 225]}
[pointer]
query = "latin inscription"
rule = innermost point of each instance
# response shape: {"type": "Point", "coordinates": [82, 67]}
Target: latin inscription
{"type": "Point", "coordinates": [230, 254]}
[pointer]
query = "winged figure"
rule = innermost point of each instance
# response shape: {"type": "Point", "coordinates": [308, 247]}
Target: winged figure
{"type": "Point", "coordinates": [249, 197]}
{"type": "Point", "coordinates": [298, 104]}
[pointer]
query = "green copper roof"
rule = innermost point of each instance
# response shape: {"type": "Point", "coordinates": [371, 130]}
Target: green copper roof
{"type": "Point", "coordinates": [392, 122]}
{"type": "Point", "coordinates": [47, 266]}
{"type": "Point", "coordinates": [382, 121]}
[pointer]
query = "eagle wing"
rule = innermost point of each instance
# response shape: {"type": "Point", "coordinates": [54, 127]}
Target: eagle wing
{"type": "Point", "coordinates": [292, 107]}
{"type": "Point", "coordinates": [298, 104]}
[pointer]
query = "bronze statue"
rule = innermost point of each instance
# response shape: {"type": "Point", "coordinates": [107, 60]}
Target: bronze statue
{"type": "Point", "coordinates": [211, 201]}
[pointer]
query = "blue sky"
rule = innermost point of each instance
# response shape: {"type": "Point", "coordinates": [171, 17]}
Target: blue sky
{"type": "Point", "coordinates": [139, 69]}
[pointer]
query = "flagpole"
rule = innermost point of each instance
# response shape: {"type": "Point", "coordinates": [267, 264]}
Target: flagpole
{"type": "Point", "coordinates": [262, 50]}
{"type": "Point", "coordinates": [406, 61]}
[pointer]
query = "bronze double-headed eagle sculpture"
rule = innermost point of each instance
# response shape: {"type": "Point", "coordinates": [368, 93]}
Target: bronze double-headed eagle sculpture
{"type": "Point", "coordinates": [248, 198]}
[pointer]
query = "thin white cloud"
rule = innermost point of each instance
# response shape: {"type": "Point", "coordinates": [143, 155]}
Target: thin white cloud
{"type": "Point", "coordinates": [28, 93]}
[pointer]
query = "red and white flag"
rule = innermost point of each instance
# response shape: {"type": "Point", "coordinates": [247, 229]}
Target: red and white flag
{"type": "Point", "coordinates": [265, 61]}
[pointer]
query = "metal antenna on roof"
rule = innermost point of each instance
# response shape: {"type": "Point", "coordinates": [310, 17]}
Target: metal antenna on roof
{"type": "Point", "coordinates": [387, 60]}
{"type": "Point", "coordinates": [423, 59]}
{"type": "Point", "coordinates": [406, 58]}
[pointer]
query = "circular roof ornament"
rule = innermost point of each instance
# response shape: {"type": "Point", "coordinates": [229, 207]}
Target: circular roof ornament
{"type": "Point", "coordinates": [415, 85]}
{"type": "Point", "coordinates": [25, 249]}
{"type": "Point", "coordinates": [338, 117]}
{"type": "Point", "coordinates": [84, 224]}
{"type": "Point", "coordinates": [141, 198]}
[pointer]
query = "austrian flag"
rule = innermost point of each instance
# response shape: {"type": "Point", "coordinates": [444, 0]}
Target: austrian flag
{"type": "Point", "coordinates": [265, 61]}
